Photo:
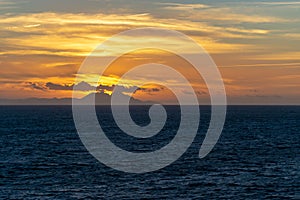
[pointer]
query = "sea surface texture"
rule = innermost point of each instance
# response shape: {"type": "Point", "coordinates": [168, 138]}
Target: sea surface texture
{"type": "Point", "coordinates": [256, 157]}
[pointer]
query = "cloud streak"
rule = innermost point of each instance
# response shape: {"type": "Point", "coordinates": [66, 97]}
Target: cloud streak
{"type": "Point", "coordinates": [43, 50]}
{"type": "Point", "coordinates": [78, 34]}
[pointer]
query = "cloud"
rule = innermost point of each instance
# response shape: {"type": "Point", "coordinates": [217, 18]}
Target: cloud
{"type": "Point", "coordinates": [150, 89]}
{"type": "Point", "coordinates": [6, 5]}
{"type": "Point", "coordinates": [82, 86]}
{"type": "Point", "coordinates": [183, 7]}
{"type": "Point", "coordinates": [36, 86]}
{"type": "Point", "coordinates": [281, 3]}
{"type": "Point", "coordinates": [45, 49]}
{"type": "Point", "coordinates": [105, 87]}
{"type": "Point", "coordinates": [200, 12]}
{"type": "Point", "coordinates": [294, 36]}
{"type": "Point", "coordinates": [32, 25]}
{"type": "Point", "coordinates": [53, 86]}
{"type": "Point", "coordinates": [78, 34]}
{"type": "Point", "coordinates": [130, 89]}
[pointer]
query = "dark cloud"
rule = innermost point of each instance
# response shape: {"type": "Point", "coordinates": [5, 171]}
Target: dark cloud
{"type": "Point", "coordinates": [150, 90]}
{"type": "Point", "coordinates": [120, 88]}
{"type": "Point", "coordinates": [82, 86]}
{"type": "Point", "coordinates": [36, 86]}
{"type": "Point", "coordinates": [133, 89]}
{"type": "Point", "coordinates": [105, 87]}
{"type": "Point", "coordinates": [53, 86]}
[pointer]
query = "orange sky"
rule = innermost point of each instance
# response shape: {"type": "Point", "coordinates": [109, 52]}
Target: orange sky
{"type": "Point", "coordinates": [257, 51]}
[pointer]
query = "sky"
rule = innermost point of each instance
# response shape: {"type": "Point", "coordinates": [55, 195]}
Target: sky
{"type": "Point", "coordinates": [255, 44]}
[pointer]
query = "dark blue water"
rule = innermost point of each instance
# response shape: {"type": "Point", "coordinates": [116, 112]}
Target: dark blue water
{"type": "Point", "coordinates": [257, 156]}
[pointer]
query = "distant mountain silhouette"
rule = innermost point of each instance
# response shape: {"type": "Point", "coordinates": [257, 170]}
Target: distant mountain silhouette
{"type": "Point", "coordinates": [100, 99]}
{"type": "Point", "coordinates": [37, 101]}
{"type": "Point", "coordinates": [105, 99]}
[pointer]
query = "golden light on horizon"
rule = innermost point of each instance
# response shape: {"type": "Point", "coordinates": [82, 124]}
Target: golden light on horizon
{"type": "Point", "coordinates": [251, 50]}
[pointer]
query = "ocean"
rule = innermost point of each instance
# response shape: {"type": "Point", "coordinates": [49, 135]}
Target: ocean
{"type": "Point", "coordinates": [256, 157]}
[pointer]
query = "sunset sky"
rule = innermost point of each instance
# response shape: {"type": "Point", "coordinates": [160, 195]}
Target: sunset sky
{"type": "Point", "coordinates": [255, 44]}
